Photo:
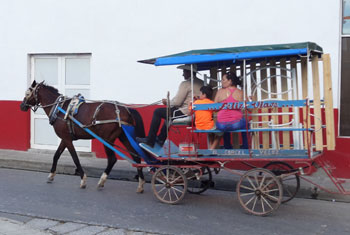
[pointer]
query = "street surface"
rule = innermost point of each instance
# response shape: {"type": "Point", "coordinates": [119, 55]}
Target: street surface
{"type": "Point", "coordinates": [26, 194]}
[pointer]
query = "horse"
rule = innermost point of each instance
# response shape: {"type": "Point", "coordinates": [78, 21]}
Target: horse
{"type": "Point", "coordinates": [109, 116]}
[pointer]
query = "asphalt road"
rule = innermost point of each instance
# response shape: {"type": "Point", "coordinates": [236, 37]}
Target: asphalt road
{"type": "Point", "coordinates": [117, 205]}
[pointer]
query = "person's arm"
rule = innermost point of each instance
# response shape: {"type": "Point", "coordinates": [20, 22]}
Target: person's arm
{"type": "Point", "coordinates": [218, 95]}
{"type": "Point", "coordinates": [180, 96]}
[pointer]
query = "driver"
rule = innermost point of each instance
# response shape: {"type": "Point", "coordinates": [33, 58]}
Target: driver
{"type": "Point", "coordinates": [178, 106]}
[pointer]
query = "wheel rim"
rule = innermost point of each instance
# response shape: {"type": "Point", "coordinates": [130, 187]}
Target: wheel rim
{"type": "Point", "coordinates": [198, 186]}
{"type": "Point", "coordinates": [290, 184]}
{"type": "Point", "coordinates": [169, 184]}
{"type": "Point", "coordinates": [259, 192]}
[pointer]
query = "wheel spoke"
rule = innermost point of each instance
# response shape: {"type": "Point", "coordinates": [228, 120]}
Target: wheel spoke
{"type": "Point", "coordinates": [249, 200]}
{"type": "Point", "coordinates": [271, 197]}
{"type": "Point", "coordinates": [251, 183]}
{"type": "Point", "coordinates": [177, 197]}
{"type": "Point", "coordinates": [286, 189]}
{"type": "Point", "coordinates": [169, 195]}
{"type": "Point", "coordinates": [271, 190]}
{"type": "Point", "coordinates": [262, 205]}
{"type": "Point", "coordinates": [161, 190]}
{"type": "Point", "coordinates": [256, 198]}
{"type": "Point", "coordinates": [161, 181]}
{"type": "Point", "coordinates": [164, 194]}
{"type": "Point", "coordinates": [262, 181]}
{"type": "Point", "coordinates": [163, 175]}
{"type": "Point", "coordinates": [247, 194]}
{"type": "Point", "coordinates": [175, 180]}
{"type": "Point", "coordinates": [267, 203]}
{"type": "Point", "coordinates": [177, 190]}
{"type": "Point", "coordinates": [268, 183]}
{"type": "Point", "coordinates": [245, 187]}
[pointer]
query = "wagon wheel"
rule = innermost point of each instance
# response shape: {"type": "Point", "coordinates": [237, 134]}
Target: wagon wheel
{"type": "Point", "coordinates": [195, 185]}
{"type": "Point", "coordinates": [290, 184]}
{"type": "Point", "coordinates": [169, 184]}
{"type": "Point", "coordinates": [259, 192]}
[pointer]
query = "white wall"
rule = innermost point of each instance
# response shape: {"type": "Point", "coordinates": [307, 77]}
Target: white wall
{"type": "Point", "coordinates": [118, 33]}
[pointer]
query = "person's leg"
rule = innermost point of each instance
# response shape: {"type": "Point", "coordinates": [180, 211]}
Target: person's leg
{"type": "Point", "coordinates": [158, 114]}
{"type": "Point", "coordinates": [215, 143]}
{"type": "Point", "coordinates": [243, 124]}
{"type": "Point", "coordinates": [163, 132]}
{"type": "Point", "coordinates": [227, 140]}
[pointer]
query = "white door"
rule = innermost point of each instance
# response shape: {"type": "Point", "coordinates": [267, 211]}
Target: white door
{"type": "Point", "coordinates": [70, 74]}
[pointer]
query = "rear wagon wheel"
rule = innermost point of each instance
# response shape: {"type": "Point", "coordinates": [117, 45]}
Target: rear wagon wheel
{"type": "Point", "coordinates": [259, 192]}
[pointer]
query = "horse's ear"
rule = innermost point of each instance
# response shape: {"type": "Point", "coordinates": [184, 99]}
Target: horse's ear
{"type": "Point", "coordinates": [33, 84]}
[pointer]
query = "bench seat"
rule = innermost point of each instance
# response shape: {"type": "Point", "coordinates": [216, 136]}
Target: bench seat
{"type": "Point", "coordinates": [256, 130]}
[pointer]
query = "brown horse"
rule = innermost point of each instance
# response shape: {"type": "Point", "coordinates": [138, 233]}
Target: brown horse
{"type": "Point", "coordinates": [102, 118]}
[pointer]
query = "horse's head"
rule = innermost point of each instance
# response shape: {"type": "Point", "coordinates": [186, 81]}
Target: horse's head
{"type": "Point", "coordinates": [31, 96]}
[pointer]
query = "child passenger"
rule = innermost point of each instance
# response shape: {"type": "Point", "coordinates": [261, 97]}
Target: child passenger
{"type": "Point", "coordinates": [204, 118]}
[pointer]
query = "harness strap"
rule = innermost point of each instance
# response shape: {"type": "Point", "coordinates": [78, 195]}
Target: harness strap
{"type": "Point", "coordinates": [117, 111]}
{"type": "Point", "coordinates": [54, 110]}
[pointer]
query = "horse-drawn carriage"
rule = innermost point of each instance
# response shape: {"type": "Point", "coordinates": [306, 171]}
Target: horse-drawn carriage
{"type": "Point", "coordinates": [289, 127]}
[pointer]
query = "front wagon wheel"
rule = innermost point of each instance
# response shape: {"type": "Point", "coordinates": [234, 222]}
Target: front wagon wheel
{"type": "Point", "coordinates": [169, 184]}
{"type": "Point", "coordinates": [259, 192]}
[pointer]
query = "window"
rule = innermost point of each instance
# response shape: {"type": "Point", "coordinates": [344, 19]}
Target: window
{"type": "Point", "coordinates": [344, 86]}
{"type": "Point", "coordinates": [70, 74]}
{"type": "Point", "coordinates": [346, 17]}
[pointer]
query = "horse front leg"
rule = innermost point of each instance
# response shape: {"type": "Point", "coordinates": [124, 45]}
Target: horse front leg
{"type": "Point", "coordinates": [57, 156]}
{"type": "Point", "coordinates": [76, 161]}
{"type": "Point", "coordinates": [111, 160]}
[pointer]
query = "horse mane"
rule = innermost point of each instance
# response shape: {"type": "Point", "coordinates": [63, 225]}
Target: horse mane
{"type": "Point", "coordinates": [51, 88]}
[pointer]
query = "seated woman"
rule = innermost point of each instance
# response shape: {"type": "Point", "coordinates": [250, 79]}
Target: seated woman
{"type": "Point", "coordinates": [230, 119]}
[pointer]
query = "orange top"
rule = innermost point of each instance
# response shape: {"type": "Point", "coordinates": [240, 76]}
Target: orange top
{"type": "Point", "coordinates": [203, 118]}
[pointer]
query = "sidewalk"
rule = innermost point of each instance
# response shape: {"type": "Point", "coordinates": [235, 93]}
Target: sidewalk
{"type": "Point", "coordinates": [37, 160]}
{"type": "Point", "coordinates": [12, 227]}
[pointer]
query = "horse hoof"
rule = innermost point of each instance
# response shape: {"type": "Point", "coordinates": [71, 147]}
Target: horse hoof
{"type": "Point", "coordinates": [51, 177]}
{"type": "Point", "coordinates": [83, 182]}
{"type": "Point", "coordinates": [102, 181]}
{"type": "Point", "coordinates": [139, 190]}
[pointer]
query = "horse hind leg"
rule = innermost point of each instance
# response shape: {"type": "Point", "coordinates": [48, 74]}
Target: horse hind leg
{"type": "Point", "coordinates": [76, 161]}
{"type": "Point", "coordinates": [56, 156]}
{"type": "Point", "coordinates": [111, 160]}
{"type": "Point", "coordinates": [142, 181]}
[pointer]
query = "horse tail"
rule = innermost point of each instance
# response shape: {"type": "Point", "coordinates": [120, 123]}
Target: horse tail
{"type": "Point", "coordinates": [139, 127]}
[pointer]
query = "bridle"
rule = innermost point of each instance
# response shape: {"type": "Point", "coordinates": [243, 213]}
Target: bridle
{"type": "Point", "coordinates": [33, 91]}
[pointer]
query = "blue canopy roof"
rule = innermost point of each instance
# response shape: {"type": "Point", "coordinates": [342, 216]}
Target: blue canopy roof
{"type": "Point", "coordinates": [207, 58]}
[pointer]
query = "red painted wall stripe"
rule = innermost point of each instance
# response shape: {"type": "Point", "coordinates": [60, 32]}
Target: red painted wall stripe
{"type": "Point", "coordinates": [14, 127]}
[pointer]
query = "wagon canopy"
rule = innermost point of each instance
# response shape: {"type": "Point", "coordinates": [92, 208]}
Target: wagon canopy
{"type": "Point", "coordinates": [208, 58]}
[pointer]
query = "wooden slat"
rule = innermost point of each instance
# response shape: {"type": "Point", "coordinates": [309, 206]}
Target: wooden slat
{"type": "Point", "coordinates": [273, 80]}
{"type": "Point", "coordinates": [265, 134]}
{"type": "Point", "coordinates": [317, 104]}
{"type": "Point", "coordinates": [304, 90]}
{"type": "Point", "coordinates": [293, 65]}
{"type": "Point", "coordinates": [285, 118]}
{"type": "Point", "coordinates": [273, 84]}
{"type": "Point", "coordinates": [255, 138]}
{"type": "Point", "coordinates": [328, 100]}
